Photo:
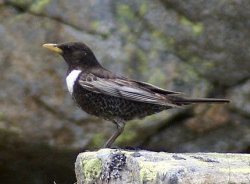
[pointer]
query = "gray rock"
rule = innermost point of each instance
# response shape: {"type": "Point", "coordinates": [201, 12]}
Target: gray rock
{"type": "Point", "coordinates": [152, 167]}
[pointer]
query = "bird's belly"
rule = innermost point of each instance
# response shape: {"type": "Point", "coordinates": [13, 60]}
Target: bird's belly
{"type": "Point", "coordinates": [109, 107]}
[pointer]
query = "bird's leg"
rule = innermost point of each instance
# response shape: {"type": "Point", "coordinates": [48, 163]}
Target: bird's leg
{"type": "Point", "coordinates": [119, 129]}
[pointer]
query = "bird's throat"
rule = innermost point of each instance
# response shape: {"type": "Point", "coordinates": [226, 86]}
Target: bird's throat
{"type": "Point", "coordinates": [71, 78]}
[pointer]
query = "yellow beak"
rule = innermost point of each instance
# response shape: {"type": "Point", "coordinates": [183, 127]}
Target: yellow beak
{"type": "Point", "coordinates": [53, 47]}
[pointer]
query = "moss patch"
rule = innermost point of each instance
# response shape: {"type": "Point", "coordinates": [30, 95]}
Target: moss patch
{"type": "Point", "coordinates": [143, 9]}
{"type": "Point", "coordinates": [124, 11]}
{"type": "Point", "coordinates": [39, 5]}
{"type": "Point", "coordinates": [95, 25]}
{"type": "Point", "coordinates": [92, 169]}
{"type": "Point", "coordinates": [147, 172]}
{"type": "Point", "coordinates": [196, 27]}
{"type": "Point", "coordinates": [35, 6]}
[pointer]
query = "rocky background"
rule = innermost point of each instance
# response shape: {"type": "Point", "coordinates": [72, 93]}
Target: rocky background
{"type": "Point", "coordinates": [201, 48]}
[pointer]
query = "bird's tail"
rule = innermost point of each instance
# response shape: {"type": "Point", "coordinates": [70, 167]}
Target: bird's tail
{"type": "Point", "coordinates": [186, 101]}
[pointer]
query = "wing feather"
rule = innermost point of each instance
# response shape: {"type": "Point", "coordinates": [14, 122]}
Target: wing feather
{"type": "Point", "coordinates": [123, 89]}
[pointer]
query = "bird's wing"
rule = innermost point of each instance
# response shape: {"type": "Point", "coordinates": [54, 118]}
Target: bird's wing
{"type": "Point", "coordinates": [157, 89]}
{"type": "Point", "coordinates": [120, 87]}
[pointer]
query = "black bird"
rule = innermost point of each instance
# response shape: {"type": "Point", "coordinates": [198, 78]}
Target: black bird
{"type": "Point", "coordinates": [112, 97]}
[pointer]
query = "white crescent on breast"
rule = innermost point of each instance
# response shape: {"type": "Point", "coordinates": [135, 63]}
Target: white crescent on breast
{"type": "Point", "coordinates": [71, 78]}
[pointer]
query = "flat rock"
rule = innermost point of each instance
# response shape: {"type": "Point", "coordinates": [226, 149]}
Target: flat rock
{"type": "Point", "coordinates": [119, 166]}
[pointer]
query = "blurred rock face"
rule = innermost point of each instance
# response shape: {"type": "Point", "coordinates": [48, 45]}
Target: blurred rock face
{"type": "Point", "coordinates": [200, 48]}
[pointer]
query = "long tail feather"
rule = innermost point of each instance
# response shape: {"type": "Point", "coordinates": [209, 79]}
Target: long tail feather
{"type": "Point", "coordinates": [185, 101]}
{"type": "Point", "coordinates": [205, 100]}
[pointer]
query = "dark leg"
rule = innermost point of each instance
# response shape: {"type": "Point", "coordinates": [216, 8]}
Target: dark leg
{"type": "Point", "coordinates": [119, 129]}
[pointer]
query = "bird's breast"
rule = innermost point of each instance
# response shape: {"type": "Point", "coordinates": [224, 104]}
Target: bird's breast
{"type": "Point", "coordinates": [71, 78]}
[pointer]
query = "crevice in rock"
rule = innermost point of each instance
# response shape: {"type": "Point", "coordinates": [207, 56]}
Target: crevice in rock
{"type": "Point", "coordinates": [59, 114]}
{"type": "Point", "coordinates": [51, 110]}
{"type": "Point", "coordinates": [175, 120]}
{"type": "Point", "coordinates": [170, 5]}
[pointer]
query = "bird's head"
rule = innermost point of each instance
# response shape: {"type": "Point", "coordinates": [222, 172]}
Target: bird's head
{"type": "Point", "coordinates": [76, 54]}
